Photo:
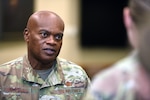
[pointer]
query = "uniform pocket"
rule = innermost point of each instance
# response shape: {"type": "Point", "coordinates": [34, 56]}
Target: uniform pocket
{"type": "Point", "coordinates": [19, 93]}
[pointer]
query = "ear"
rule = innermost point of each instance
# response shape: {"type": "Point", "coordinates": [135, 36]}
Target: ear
{"type": "Point", "coordinates": [130, 27]}
{"type": "Point", "coordinates": [127, 17]}
{"type": "Point", "coordinates": [26, 34]}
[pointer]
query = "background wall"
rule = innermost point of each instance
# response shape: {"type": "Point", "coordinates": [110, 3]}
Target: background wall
{"type": "Point", "coordinates": [92, 59]}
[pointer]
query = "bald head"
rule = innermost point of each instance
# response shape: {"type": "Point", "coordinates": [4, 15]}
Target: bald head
{"type": "Point", "coordinates": [44, 16]}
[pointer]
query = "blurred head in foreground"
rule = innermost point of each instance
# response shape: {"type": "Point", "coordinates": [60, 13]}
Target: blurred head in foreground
{"type": "Point", "coordinates": [129, 78]}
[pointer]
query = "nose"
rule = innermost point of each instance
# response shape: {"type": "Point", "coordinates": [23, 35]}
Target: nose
{"type": "Point", "coordinates": [51, 40]}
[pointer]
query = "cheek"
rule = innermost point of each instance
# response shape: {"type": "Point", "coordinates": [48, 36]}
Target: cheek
{"type": "Point", "coordinates": [60, 44]}
{"type": "Point", "coordinates": [34, 43]}
{"type": "Point", "coordinates": [145, 44]}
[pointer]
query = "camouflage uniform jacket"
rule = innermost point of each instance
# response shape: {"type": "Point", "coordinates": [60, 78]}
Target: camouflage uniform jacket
{"type": "Point", "coordinates": [18, 81]}
{"type": "Point", "coordinates": [125, 80]}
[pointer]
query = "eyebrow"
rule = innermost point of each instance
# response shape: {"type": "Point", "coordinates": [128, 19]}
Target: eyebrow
{"type": "Point", "coordinates": [49, 31]}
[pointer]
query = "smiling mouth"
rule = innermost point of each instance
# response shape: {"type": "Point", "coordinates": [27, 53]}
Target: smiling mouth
{"type": "Point", "coordinates": [49, 51]}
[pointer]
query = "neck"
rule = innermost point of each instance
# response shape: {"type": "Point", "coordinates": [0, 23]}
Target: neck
{"type": "Point", "coordinates": [38, 65]}
{"type": "Point", "coordinates": [41, 66]}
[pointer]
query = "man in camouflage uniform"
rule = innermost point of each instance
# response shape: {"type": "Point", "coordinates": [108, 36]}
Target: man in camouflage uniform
{"type": "Point", "coordinates": [41, 75]}
{"type": "Point", "coordinates": [129, 78]}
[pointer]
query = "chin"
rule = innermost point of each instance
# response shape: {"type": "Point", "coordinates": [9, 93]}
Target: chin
{"type": "Point", "coordinates": [49, 58]}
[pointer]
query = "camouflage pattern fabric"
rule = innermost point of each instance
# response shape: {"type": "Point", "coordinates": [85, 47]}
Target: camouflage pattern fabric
{"type": "Point", "coordinates": [18, 81]}
{"type": "Point", "coordinates": [125, 80]}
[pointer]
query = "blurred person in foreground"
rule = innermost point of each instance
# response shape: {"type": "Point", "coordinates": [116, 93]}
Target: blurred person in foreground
{"type": "Point", "coordinates": [129, 78]}
{"type": "Point", "coordinates": [41, 74]}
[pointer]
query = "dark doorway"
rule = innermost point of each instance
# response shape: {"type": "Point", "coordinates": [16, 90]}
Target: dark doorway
{"type": "Point", "coordinates": [102, 23]}
{"type": "Point", "coordinates": [15, 14]}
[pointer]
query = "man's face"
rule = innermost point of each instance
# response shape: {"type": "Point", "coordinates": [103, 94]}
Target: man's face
{"type": "Point", "coordinates": [45, 40]}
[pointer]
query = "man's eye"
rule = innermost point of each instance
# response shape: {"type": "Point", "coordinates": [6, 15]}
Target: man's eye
{"type": "Point", "coordinates": [58, 36]}
{"type": "Point", "coordinates": [44, 34]}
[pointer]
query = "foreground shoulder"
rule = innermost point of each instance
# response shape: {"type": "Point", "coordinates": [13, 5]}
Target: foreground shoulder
{"type": "Point", "coordinates": [115, 74]}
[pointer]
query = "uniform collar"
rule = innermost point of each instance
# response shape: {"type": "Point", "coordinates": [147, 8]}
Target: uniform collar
{"type": "Point", "coordinates": [30, 75]}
